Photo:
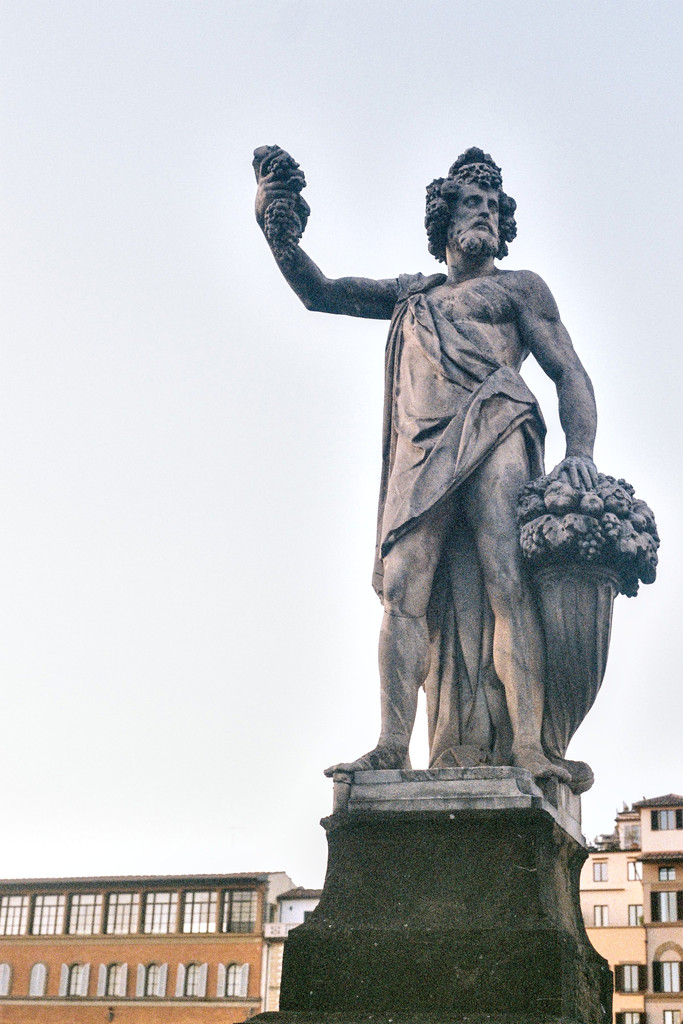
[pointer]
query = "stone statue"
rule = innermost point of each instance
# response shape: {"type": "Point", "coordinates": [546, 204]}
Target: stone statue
{"type": "Point", "coordinates": [463, 436]}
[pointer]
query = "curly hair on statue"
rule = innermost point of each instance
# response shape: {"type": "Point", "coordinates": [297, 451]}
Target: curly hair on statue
{"type": "Point", "coordinates": [477, 167]}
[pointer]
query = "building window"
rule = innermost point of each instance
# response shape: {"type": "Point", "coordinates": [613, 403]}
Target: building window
{"type": "Point", "coordinates": [600, 871]}
{"type": "Point", "coordinates": [663, 820]}
{"type": "Point", "coordinates": [667, 905]}
{"type": "Point", "coordinates": [630, 977]}
{"type": "Point", "coordinates": [666, 976]}
{"type": "Point", "coordinates": [38, 980]}
{"type": "Point", "coordinates": [629, 1017]}
{"type": "Point", "coordinates": [667, 873]}
{"type": "Point", "coordinates": [192, 981]}
{"type": "Point", "coordinates": [161, 909]}
{"type": "Point", "coordinates": [634, 871]}
{"type": "Point", "coordinates": [85, 915]}
{"type": "Point", "coordinates": [77, 980]}
{"type": "Point", "coordinates": [154, 980]}
{"type": "Point", "coordinates": [115, 983]}
{"type": "Point", "coordinates": [200, 912]}
{"type": "Point", "coordinates": [239, 911]}
{"type": "Point", "coordinates": [600, 917]}
{"type": "Point", "coordinates": [635, 915]}
{"type": "Point", "coordinates": [123, 909]}
{"type": "Point", "coordinates": [233, 981]}
{"type": "Point", "coordinates": [13, 915]}
{"type": "Point", "coordinates": [672, 1017]}
{"type": "Point", "coordinates": [5, 978]}
{"type": "Point", "coordinates": [48, 915]}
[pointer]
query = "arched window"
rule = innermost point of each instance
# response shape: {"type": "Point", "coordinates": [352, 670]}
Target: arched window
{"type": "Point", "coordinates": [77, 984]}
{"type": "Point", "coordinates": [73, 980]}
{"type": "Point", "coordinates": [38, 980]}
{"type": "Point", "coordinates": [5, 978]}
{"type": "Point", "coordinates": [116, 981]}
{"type": "Point", "coordinates": [192, 980]}
{"type": "Point", "coordinates": [235, 980]}
{"type": "Point", "coordinates": [152, 979]}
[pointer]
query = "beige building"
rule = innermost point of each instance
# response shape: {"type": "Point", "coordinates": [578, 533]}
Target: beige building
{"type": "Point", "coordinates": [632, 904]}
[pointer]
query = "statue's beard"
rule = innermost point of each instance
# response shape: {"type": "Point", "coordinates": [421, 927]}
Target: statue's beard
{"type": "Point", "coordinates": [477, 243]}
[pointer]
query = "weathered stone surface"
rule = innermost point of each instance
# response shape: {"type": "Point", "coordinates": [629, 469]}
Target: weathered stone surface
{"type": "Point", "coordinates": [462, 438]}
{"type": "Point", "coordinates": [431, 916]}
{"type": "Point", "coordinates": [457, 789]}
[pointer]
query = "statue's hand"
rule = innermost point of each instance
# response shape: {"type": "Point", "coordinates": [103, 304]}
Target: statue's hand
{"type": "Point", "coordinates": [278, 176]}
{"type": "Point", "coordinates": [578, 470]}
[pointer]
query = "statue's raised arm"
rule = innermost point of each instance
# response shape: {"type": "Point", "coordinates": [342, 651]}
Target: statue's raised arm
{"type": "Point", "coordinates": [282, 214]}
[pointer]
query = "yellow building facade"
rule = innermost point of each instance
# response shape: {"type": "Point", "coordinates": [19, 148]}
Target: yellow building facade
{"type": "Point", "coordinates": [632, 905]}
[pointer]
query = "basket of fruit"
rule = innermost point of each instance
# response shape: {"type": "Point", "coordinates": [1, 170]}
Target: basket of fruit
{"type": "Point", "coordinates": [581, 548]}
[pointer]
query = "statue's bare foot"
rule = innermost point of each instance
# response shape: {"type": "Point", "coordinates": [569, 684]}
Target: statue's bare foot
{"type": "Point", "coordinates": [379, 759]}
{"type": "Point", "coordinates": [535, 761]}
{"type": "Point", "coordinates": [582, 777]}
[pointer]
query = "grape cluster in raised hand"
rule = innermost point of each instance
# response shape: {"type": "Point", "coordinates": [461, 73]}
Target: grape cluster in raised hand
{"type": "Point", "coordinates": [606, 525]}
{"type": "Point", "coordinates": [286, 215]}
{"type": "Point", "coordinates": [282, 228]}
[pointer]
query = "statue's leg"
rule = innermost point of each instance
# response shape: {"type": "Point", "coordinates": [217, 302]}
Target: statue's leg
{"type": "Point", "coordinates": [404, 652]}
{"type": "Point", "coordinates": [518, 645]}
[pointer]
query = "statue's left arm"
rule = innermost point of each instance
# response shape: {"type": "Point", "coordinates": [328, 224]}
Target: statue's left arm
{"type": "Point", "coordinates": [547, 339]}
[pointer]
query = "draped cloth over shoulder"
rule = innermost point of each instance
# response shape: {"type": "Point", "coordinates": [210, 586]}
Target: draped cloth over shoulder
{"type": "Point", "coordinates": [448, 403]}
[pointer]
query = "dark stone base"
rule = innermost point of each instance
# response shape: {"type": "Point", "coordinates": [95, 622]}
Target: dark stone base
{"type": "Point", "coordinates": [438, 917]}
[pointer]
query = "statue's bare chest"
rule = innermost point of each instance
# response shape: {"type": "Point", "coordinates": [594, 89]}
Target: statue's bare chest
{"type": "Point", "coordinates": [484, 300]}
{"type": "Point", "coordinates": [482, 310]}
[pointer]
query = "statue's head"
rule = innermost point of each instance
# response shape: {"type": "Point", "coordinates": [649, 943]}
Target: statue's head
{"type": "Point", "coordinates": [474, 171]}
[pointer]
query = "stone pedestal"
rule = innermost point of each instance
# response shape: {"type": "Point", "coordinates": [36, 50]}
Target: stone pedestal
{"type": "Point", "coordinates": [450, 896]}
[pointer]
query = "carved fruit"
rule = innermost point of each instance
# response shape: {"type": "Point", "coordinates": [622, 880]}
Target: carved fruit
{"type": "Point", "coordinates": [592, 504]}
{"type": "Point", "coordinates": [618, 500]}
{"type": "Point", "coordinates": [561, 497]}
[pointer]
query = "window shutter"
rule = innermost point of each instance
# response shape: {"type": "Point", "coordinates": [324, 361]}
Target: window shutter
{"type": "Point", "coordinates": [163, 978]}
{"type": "Point", "coordinates": [679, 905]}
{"type": "Point", "coordinates": [620, 1018]}
{"type": "Point", "coordinates": [85, 979]}
{"type": "Point", "coordinates": [679, 817]}
{"type": "Point", "coordinates": [123, 981]}
{"type": "Point", "coordinates": [37, 981]}
{"type": "Point", "coordinates": [243, 980]}
{"type": "Point", "coordinates": [619, 978]}
{"type": "Point", "coordinates": [203, 974]}
{"type": "Point", "coordinates": [140, 983]}
{"type": "Point", "coordinates": [654, 906]}
{"type": "Point", "coordinates": [642, 978]}
{"type": "Point", "coordinates": [656, 976]}
{"type": "Point", "coordinates": [220, 985]}
{"type": "Point", "coordinates": [102, 980]}
{"type": "Point", "coordinates": [180, 981]}
{"type": "Point", "coordinates": [654, 820]}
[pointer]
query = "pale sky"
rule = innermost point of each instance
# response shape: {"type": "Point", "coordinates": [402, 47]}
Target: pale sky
{"type": "Point", "coordinates": [189, 460]}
